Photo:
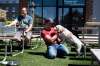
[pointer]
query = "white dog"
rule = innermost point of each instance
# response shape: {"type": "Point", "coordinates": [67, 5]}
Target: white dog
{"type": "Point", "coordinates": [66, 34]}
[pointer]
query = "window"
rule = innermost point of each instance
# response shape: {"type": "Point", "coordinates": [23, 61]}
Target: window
{"type": "Point", "coordinates": [38, 2]}
{"type": "Point", "coordinates": [49, 12]}
{"type": "Point", "coordinates": [7, 9]}
{"type": "Point", "coordinates": [55, 9]}
{"type": "Point", "coordinates": [60, 2]}
{"type": "Point", "coordinates": [16, 1]}
{"type": "Point", "coordinates": [49, 2]}
{"type": "Point", "coordinates": [79, 10]}
{"type": "Point", "coordinates": [38, 16]}
{"type": "Point", "coordinates": [60, 16]}
{"type": "Point", "coordinates": [13, 9]}
{"type": "Point", "coordinates": [10, 1]}
{"type": "Point", "coordinates": [74, 2]}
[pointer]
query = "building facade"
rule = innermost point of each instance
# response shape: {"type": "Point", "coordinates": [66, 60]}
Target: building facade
{"type": "Point", "coordinates": [69, 13]}
{"type": "Point", "coordinates": [86, 6]}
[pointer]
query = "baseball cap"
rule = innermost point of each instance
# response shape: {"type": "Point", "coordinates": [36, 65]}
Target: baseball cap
{"type": "Point", "coordinates": [49, 20]}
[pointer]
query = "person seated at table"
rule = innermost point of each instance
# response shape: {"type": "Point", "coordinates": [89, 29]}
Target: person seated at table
{"type": "Point", "coordinates": [65, 34]}
{"type": "Point", "coordinates": [52, 41]}
{"type": "Point", "coordinates": [23, 22]}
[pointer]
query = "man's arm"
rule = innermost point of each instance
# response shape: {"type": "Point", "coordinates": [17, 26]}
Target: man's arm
{"type": "Point", "coordinates": [30, 25]}
{"type": "Point", "coordinates": [29, 28]}
{"type": "Point", "coordinates": [13, 23]}
{"type": "Point", "coordinates": [54, 38]}
{"type": "Point", "coordinates": [51, 39]}
{"type": "Point", "coordinates": [48, 38]}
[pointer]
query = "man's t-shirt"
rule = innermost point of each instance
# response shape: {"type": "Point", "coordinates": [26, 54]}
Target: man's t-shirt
{"type": "Point", "coordinates": [24, 22]}
{"type": "Point", "coordinates": [50, 32]}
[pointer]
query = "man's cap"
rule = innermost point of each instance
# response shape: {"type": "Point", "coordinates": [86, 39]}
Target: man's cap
{"type": "Point", "coordinates": [49, 20]}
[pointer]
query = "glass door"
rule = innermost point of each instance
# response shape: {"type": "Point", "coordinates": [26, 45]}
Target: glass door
{"type": "Point", "coordinates": [71, 18]}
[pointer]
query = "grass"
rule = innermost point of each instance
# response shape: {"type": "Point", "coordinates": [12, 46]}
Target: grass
{"type": "Point", "coordinates": [36, 57]}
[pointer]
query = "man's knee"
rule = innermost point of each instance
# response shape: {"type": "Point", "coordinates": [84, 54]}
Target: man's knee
{"type": "Point", "coordinates": [51, 55]}
{"type": "Point", "coordinates": [64, 49]}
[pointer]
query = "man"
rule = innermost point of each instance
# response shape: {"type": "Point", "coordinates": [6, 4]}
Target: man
{"type": "Point", "coordinates": [65, 34]}
{"type": "Point", "coordinates": [24, 23]}
{"type": "Point", "coordinates": [52, 41]}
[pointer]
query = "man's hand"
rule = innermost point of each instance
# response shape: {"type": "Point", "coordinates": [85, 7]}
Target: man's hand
{"type": "Point", "coordinates": [59, 39]}
{"type": "Point", "coordinates": [26, 31]}
{"type": "Point", "coordinates": [12, 23]}
{"type": "Point", "coordinates": [7, 25]}
{"type": "Point", "coordinates": [29, 28]}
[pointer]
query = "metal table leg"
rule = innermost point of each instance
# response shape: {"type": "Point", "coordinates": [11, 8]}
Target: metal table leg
{"type": "Point", "coordinates": [22, 45]}
{"type": "Point", "coordinates": [5, 56]}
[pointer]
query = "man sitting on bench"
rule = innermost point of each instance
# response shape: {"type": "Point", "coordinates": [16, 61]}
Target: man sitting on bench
{"type": "Point", "coordinates": [24, 24]}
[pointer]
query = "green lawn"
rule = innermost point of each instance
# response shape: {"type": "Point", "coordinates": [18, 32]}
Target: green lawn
{"type": "Point", "coordinates": [35, 57]}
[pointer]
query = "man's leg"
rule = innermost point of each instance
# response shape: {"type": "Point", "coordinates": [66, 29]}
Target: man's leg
{"type": "Point", "coordinates": [51, 52]}
{"type": "Point", "coordinates": [18, 39]}
{"type": "Point", "coordinates": [62, 50]}
{"type": "Point", "coordinates": [18, 36]}
{"type": "Point", "coordinates": [28, 38]}
{"type": "Point", "coordinates": [29, 35]}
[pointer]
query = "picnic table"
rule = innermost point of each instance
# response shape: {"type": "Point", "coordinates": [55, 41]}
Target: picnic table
{"type": "Point", "coordinates": [90, 24]}
{"type": "Point", "coordinates": [5, 36]}
{"type": "Point", "coordinates": [95, 55]}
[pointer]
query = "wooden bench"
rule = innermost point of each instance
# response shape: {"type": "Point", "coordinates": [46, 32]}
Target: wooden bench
{"type": "Point", "coordinates": [87, 38]}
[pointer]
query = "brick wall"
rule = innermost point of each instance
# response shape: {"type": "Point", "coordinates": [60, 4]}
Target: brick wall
{"type": "Point", "coordinates": [89, 10]}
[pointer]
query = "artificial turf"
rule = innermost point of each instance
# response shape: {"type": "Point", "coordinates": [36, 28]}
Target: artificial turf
{"type": "Point", "coordinates": [36, 57]}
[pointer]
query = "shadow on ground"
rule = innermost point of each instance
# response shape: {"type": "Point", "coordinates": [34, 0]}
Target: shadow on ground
{"type": "Point", "coordinates": [37, 53]}
{"type": "Point", "coordinates": [77, 65]}
{"type": "Point", "coordinates": [80, 58]}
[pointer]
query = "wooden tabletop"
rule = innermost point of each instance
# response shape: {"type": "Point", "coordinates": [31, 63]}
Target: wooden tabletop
{"type": "Point", "coordinates": [96, 53]}
{"type": "Point", "coordinates": [6, 37]}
